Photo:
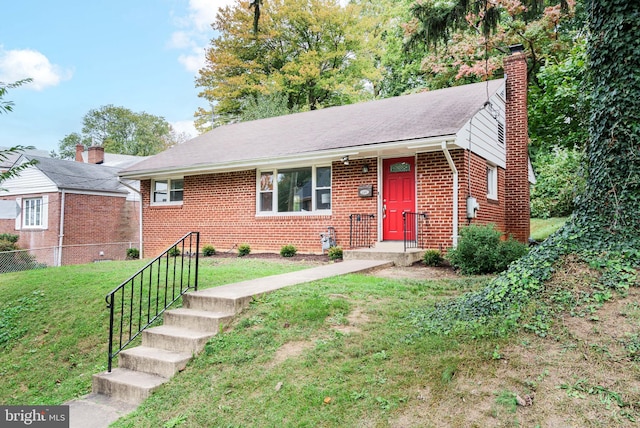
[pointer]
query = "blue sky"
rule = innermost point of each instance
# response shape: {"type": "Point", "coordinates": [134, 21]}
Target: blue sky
{"type": "Point", "coordinates": [140, 54]}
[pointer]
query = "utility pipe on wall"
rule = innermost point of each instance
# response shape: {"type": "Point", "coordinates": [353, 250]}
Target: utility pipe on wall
{"type": "Point", "coordinates": [454, 171]}
{"type": "Point", "coordinates": [61, 229]}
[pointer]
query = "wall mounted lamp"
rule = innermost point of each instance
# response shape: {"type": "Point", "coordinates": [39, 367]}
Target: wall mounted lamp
{"type": "Point", "coordinates": [345, 160]}
{"type": "Point", "coordinates": [365, 168]}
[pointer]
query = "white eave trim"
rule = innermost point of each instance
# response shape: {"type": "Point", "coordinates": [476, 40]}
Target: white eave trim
{"type": "Point", "coordinates": [373, 150]}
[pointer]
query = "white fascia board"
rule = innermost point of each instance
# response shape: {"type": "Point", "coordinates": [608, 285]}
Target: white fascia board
{"type": "Point", "coordinates": [373, 150]}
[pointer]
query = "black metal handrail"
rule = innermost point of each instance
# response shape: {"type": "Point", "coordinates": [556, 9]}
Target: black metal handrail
{"type": "Point", "coordinates": [413, 229]}
{"type": "Point", "coordinates": [143, 297]}
{"type": "Point", "coordinates": [360, 230]}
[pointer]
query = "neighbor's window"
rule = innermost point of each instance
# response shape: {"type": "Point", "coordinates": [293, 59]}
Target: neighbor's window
{"type": "Point", "coordinates": [32, 212]}
{"type": "Point", "coordinates": [492, 182]}
{"type": "Point", "coordinates": [293, 190]}
{"type": "Point", "coordinates": [168, 191]}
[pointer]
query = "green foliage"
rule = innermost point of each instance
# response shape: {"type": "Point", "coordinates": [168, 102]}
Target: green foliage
{"type": "Point", "coordinates": [174, 252]}
{"type": "Point", "coordinates": [7, 106]}
{"type": "Point", "coordinates": [263, 106]}
{"type": "Point", "coordinates": [133, 253]}
{"type": "Point", "coordinates": [9, 237]}
{"type": "Point", "coordinates": [288, 251]}
{"type": "Point", "coordinates": [243, 250]}
{"type": "Point", "coordinates": [208, 250]}
{"type": "Point", "coordinates": [480, 251]}
{"type": "Point", "coordinates": [120, 130]}
{"type": "Point", "coordinates": [559, 179]}
{"type": "Point", "coordinates": [432, 258]}
{"type": "Point", "coordinates": [335, 253]}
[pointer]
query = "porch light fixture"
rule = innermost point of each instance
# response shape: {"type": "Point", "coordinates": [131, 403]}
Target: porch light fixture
{"type": "Point", "coordinates": [345, 160]}
{"type": "Point", "coordinates": [365, 168]}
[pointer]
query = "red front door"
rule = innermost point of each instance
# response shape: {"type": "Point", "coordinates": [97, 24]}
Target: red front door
{"type": "Point", "coordinates": [398, 194]}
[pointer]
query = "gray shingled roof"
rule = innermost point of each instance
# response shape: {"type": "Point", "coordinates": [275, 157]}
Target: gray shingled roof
{"type": "Point", "coordinates": [405, 118]}
{"type": "Point", "coordinates": [72, 175]}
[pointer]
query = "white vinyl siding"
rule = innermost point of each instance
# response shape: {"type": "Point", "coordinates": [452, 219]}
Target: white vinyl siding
{"type": "Point", "coordinates": [484, 132]}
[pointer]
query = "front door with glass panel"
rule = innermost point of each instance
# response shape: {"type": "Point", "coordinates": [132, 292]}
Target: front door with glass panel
{"type": "Point", "coordinates": [398, 195]}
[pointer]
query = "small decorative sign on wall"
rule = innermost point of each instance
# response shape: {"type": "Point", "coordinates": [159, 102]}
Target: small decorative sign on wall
{"type": "Point", "coordinates": [365, 191]}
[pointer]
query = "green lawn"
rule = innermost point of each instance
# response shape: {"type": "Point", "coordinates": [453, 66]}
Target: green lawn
{"type": "Point", "coordinates": [340, 352]}
{"type": "Point", "coordinates": [541, 228]}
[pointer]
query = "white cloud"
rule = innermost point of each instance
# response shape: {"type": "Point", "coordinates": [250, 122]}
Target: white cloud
{"type": "Point", "coordinates": [26, 63]}
{"type": "Point", "coordinates": [185, 127]}
{"type": "Point", "coordinates": [194, 32]}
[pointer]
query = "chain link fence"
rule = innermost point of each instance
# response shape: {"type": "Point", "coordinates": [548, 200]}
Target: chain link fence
{"type": "Point", "coordinates": [39, 258]}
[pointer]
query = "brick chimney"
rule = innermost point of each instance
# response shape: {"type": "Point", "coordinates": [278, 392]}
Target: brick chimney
{"type": "Point", "coordinates": [79, 152]}
{"type": "Point", "coordinates": [96, 154]}
{"type": "Point", "coordinates": [517, 141]}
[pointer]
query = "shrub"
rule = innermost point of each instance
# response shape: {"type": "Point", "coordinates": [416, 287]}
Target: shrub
{"type": "Point", "coordinates": [174, 252]}
{"type": "Point", "coordinates": [9, 237]}
{"type": "Point", "coordinates": [335, 253]}
{"type": "Point", "coordinates": [432, 258]}
{"type": "Point", "coordinates": [6, 245]}
{"type": "Point", "coordinates": [288, 251]}
{"type": "Point", "coordinates": [208, 250]}
{"type": "Point", "coordinates": [481, 251]}
{"type": "Point", "coordinates": [243, 250]}
{"type": "Point", "coordinates": [133, 253]}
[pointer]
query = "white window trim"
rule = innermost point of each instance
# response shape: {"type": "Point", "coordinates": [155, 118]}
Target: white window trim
{"type": "Point", "coordinates": [274, 203]}
{"type": "Point", "coordinates": [492, 188]}
{"type": "Point", "coordinates": [168, 203]}
{"type": "Point", "coordinates": [44, 214]}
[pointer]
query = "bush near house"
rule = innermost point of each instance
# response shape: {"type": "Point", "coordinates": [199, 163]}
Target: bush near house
{"type": "Point", "coordinates": [243, 250]}
{"type": "Point", "coordinates": [481, 251]}
{"type": "Point", "coordinates": [335, 253]}
{"type": "Point", "coordinates": [288, 251]}
{"type": "Point", "coordinates": [133, 253]}
{"type": "Point", "coordinates": [208, 251]}
{"type": "Point", "coordinates": [432, 258]}
{"type": "Point", "coordinates": [174, 252]}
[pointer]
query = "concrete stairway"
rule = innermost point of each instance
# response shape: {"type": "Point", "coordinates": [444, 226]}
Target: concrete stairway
{"type": "Point", "coordinates": [165, 350]}
{"type": "Point", "coordinates": [168, 348]}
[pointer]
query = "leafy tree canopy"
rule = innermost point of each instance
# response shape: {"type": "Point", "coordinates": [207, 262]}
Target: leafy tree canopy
{"type": "Point", "coordinates": [120, 130]}
{"type": "Point", "coordinates": [315, 52]}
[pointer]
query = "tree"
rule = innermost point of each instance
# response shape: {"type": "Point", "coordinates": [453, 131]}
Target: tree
{"type": "Point", "coordinates": [604, 228]}
{"type": "Point", "coordinates": [120, 130]}
{"type": "Point", "coordinates": [312, 51]}
{"type": "Point", "coordinates": [6, 107]}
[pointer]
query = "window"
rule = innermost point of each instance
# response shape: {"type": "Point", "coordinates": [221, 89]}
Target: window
{"type": "Point", "coordinates": [168, 191]}
{"type": "Point", "coordinates": [32, 212]}
{"type": "Point", "coordinates": [294, 190]}
{"type": "Point", "coordinates": [492, 182]}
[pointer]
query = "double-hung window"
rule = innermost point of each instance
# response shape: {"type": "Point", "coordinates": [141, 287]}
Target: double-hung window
{"type": "Point", "coordinates": [32, 214]}
{"type": "Point", "coordinates": [294, 190]}
{"type": "Point", "coordinates": [167, 192]}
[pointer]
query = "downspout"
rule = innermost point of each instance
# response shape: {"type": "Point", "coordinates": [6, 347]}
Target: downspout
{"type": "Point", "coordinates": [139, 215]}
{"type": "Point", "coordinates": [454, 171]}
{"type": "Point", "coordinates": [61, 229]}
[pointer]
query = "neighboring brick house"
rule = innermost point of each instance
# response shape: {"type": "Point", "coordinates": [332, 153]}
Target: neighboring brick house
{"type": "Point", "coordinates": [284, 180]}
{"type": "Point", "coordinates": [69, 206]}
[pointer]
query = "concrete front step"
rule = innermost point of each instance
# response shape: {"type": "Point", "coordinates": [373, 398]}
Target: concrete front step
{"type": "Point", "coordinates": [196, 319]}
{"type": "Point", "coordinates": [177, 339]}
{"type": "Point", "coordinates": [127, 385]}
{"type": "Point", "coordinates": [153, 360]}
{"type": "Point", "coordinates": [200, 300]}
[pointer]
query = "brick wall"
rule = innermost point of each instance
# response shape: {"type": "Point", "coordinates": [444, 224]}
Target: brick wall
{"type": "Point", "coordinates": [516, 180]}
{"type": "Point", "coordinates": [222, 207]}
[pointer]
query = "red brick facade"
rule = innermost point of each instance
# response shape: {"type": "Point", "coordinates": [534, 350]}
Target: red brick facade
{"type": "Point", "coordinates": [88, 220]}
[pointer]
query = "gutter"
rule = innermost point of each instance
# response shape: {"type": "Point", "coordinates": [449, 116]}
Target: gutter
{"type": "Point", "coordinates": [61, 229]}
{"type": "Point", "coordinates": [140, 213]}
{"type": "Point", "coordinates": [454, 171]}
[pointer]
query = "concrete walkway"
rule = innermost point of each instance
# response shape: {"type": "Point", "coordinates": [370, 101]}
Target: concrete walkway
{"type": "Point", "coordinates": [98, 411]}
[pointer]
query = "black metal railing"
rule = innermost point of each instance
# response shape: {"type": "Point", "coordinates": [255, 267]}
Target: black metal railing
{"type": "Point", "coordinates": [140, 300]}
{"type": "Point", "coordinates": [360, 234]}
{"type": "Point", "coordinates": [414, 227]}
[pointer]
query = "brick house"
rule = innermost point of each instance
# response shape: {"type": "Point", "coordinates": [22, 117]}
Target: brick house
{"type": "Point", "coordinates": [284, 180]}
{"type": "Point", "coordinates": [61, 209]}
